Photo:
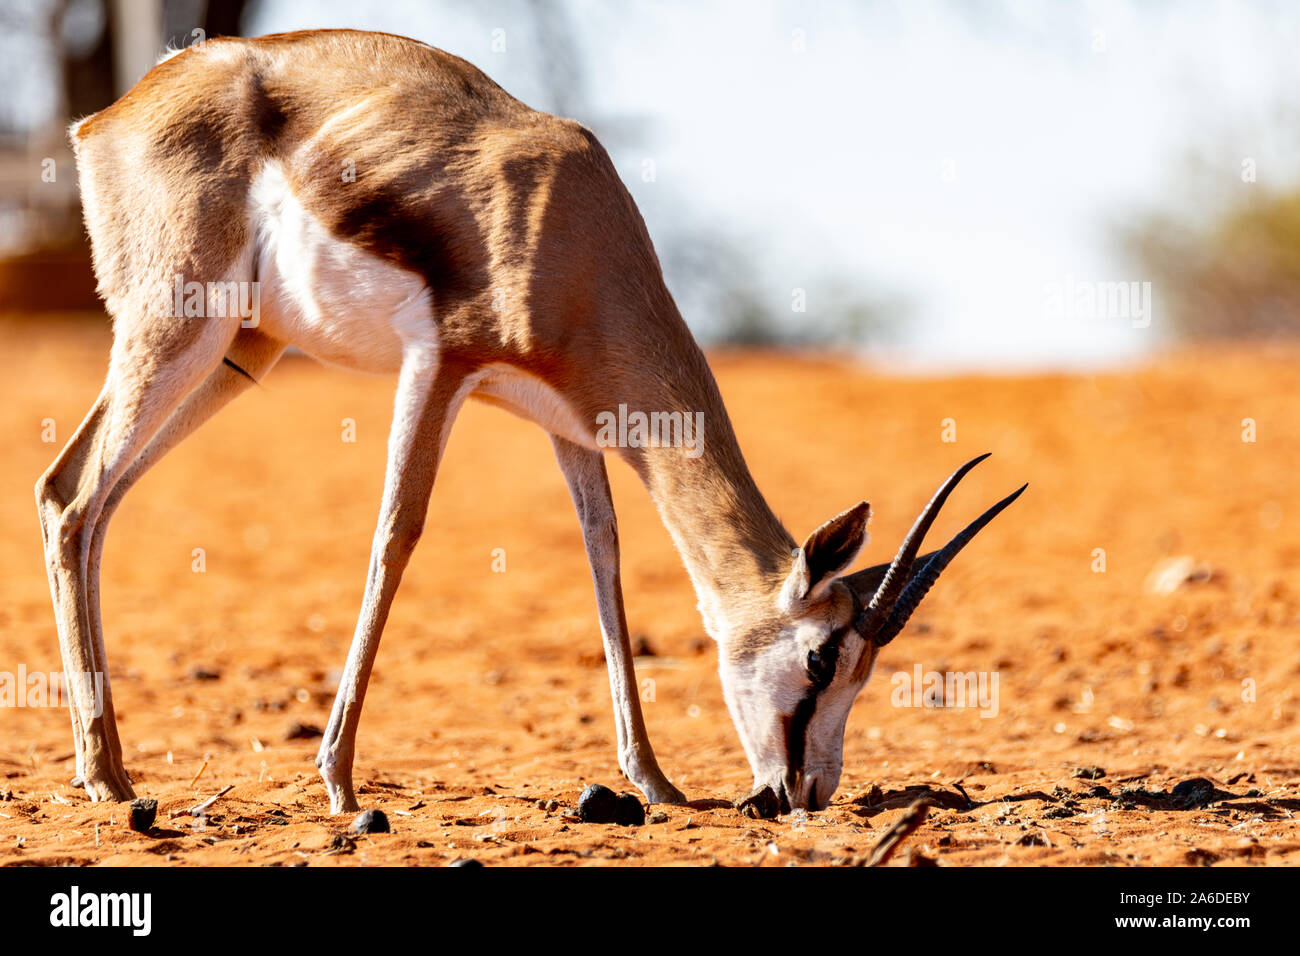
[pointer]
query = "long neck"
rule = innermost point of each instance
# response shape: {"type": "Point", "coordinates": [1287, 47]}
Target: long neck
{"type": "Point", "coordinates": [733, 546]}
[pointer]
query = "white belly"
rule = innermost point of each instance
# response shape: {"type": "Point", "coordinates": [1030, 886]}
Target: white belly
{"type": "Point", "coordinates": [330, 298]}
{"type": "Point", "coordinates": [530, 398]}
{"type": "Point", "coordinates": [342, 305]}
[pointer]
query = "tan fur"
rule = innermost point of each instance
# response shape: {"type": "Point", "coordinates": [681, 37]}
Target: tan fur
{"type": "Point", "coordinates": [405, 214]}
{"type": "Point", "coordinates": [534, 257]}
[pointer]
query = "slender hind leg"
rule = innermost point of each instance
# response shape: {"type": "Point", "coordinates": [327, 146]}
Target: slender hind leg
{"type": "Point", "coordinates": [584, 470]}
{"type": "Point", "coordinates": [428, 398]}
{"type": "Point", "coordinates": [147, 380]}
{"type": "Point", "coordinates": [255, 354]}
{"type": "Point", "coordinates": [49, 509]}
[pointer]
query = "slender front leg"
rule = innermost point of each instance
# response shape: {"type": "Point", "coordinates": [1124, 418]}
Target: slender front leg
{"type": "Point", "coordinates": [584, 470]}
{"type": "Point", "coordinates": [428, 397]}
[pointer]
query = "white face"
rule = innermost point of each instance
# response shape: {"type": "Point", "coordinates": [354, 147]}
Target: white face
{"type": "Point", "coordinates": [792, 669]}
{"type": "Point", "coordinates": [791, 711]}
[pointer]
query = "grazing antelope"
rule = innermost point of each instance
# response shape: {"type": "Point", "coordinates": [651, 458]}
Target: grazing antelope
{"type": "Point", "coordinates": [399, 212]}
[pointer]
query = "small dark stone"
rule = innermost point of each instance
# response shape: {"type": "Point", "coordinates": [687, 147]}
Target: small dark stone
{"type": "Point", "coordinates": [143, 812]}
{"type": "Point", "coordinates": [598, 805]}
{"type": "Point", "coordinates": [341, 844]}
{"type": "Point", "coordinates": [1089, 773]}
{"type": "Point", "coordinates": [298, 731]}
{"type": "Point", "coordinates": [657, 816]}
{"type": "Point", "coordinates": [628, 811]}
{"type": "Point", "coordinates": [371, 821]}
{"type": "Point", "coordinates": [204, 673]}
{"type": "Point", "coordinates": [762, 804]}
{"type": "Point", "coordinates": [1194, 792]}
{"type": "Point", "coordinates": [465, 861]}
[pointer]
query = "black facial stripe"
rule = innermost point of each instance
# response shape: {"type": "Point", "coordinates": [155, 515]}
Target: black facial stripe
{"type": "Point", "coordinates": [796, 732]}
{"type": "Point", "coordinates": [796, 729]}
{"type": "Point", "coordinates": [796, 725]}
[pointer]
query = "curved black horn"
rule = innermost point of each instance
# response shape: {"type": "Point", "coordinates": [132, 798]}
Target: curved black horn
{"type": "Point", "coordinates": [924, 579]}
{"type": "Point", "coordinates": [878, 610]}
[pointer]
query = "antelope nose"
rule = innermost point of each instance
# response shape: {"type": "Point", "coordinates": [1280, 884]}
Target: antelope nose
{"type": "Point", "coordinates": [814, 804]}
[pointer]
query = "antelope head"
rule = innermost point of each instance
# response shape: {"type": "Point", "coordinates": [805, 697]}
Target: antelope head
{"type": "Point", "coordinates": [791, 680]}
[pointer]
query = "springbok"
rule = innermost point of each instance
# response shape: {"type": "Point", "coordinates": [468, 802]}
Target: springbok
{"type": "Point", "coordinates": [396, 211]}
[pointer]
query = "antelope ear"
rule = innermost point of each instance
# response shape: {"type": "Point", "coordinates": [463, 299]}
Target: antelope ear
{"type": "Point", "coordinates": [829, 552]}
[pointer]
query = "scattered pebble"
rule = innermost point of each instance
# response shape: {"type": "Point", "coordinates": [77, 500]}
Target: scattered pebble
{"type": "Point", "coordinates": [657, 817]}
{"type": "Point", "coordinates": [1089, 773]}
{"type": "Point", "coordinates": [371, 821]}
{"type": "Point", "coordinates": [1170, 574]}
{"type": "Point", "coordinates": [628, 811]}
{"type": "Point", "coordinates": [598, 805]}
{"type": "Point", "coordinates": [143, 812]}
{"type": "Point", "coordinates": [298, 731]}
{"type": "Point", "coordinates": [465, 861]}
{"type": "Point", "coordinates": [1194, 792]}
{"type": "Point", "coordinates": [340, 845]}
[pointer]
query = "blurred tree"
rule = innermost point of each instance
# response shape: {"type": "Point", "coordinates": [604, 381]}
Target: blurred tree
{"type": "Point", "coordinates": [1236, 276]}
{"type": "Point", "coordinates": [727, 301]}
{"type": "Point", "coordinates": [87, 58]}
{"type": "Point", "coordinates": [1224, 252]}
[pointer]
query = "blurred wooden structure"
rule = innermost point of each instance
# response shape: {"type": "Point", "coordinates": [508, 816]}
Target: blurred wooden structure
{"type": "Point", "coordinates": [96, 50]}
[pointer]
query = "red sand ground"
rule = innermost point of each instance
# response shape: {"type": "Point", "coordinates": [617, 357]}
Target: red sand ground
{"type": "Point", "coordinates": [490, 694]}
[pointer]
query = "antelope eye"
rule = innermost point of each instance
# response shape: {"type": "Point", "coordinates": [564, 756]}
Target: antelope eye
{"type": "Point", "coordinates": [821, 667]}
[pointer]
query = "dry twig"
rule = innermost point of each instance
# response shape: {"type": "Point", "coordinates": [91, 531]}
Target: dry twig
{"type": "Point", "coordinates": [199, 809]}
{"type": "Point", "coordinates": [912, 818]}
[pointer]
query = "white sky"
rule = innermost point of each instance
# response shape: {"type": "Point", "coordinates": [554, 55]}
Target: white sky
{"type": "Point", "coordinates": [828, 163]}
